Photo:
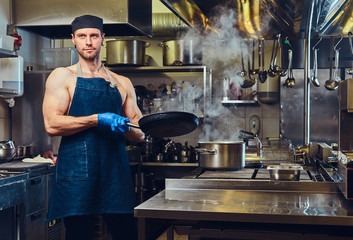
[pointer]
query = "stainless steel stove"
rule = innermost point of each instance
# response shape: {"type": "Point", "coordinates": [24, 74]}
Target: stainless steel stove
{"type": "Point", "coordinates": [314, 173]}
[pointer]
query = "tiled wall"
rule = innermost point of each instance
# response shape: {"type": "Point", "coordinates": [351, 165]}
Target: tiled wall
{"type": "Point", "coordinates": [228, 120]}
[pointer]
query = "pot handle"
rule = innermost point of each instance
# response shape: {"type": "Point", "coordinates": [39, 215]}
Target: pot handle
{"type": "Point", "coordinates": [161, 44]}
{"type": "Point", "coordinates": [178, 63]}
{"type": "Point", "coordinates": [206, 151]}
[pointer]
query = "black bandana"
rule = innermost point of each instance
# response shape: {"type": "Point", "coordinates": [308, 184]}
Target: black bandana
{"type": "Point", "coordinates": [87, 21]}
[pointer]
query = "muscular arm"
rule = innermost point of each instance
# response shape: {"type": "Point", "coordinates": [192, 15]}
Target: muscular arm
{"type": "Point", "coordinates": [56, 105]}
{"type": "Point", "coordinates": [131, 110]}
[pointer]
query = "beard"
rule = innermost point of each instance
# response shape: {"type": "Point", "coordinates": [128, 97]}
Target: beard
{"type": "Point", "coordinates": [90, 56]}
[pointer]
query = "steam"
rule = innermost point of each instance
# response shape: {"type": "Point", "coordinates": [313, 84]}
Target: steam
{"type": "Point", "coordinates": [221, 52]}
{"type": "Point", "coordinates": [222, 47]}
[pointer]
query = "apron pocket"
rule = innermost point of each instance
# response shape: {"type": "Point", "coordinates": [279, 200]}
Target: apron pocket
{"type": "Point", "coordinates": [72, 163]}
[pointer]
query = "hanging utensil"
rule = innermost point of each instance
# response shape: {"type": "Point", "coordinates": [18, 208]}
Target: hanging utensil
{"type": "Point", "coordinates": [350, 71]}
{"type": "Point", "coordinates": [270, 71]}
{"type": "Point", "coordinates": [243, 72]}
{"type": "Point", "coordinates": [313, 77]}
{"type": "Point", "coordinates": [248, 82]}
{"type": "Point", "coordinates": [262, 72]}
{"type": "Point", "coordinates": [253, 70]}
{"type": "Point", "coordinates": [332, 83]}
{"type": "Point", "coordinates": [275, 68]}
{"type": "Point", "coordinates": [290, 81]}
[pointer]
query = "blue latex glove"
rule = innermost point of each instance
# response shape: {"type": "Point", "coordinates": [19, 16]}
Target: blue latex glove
{"type": "Point", "coordinates": [114, 121]}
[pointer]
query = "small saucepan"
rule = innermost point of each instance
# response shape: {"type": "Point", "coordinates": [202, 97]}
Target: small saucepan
{"type": "Point", "coordinates": [167, 124]}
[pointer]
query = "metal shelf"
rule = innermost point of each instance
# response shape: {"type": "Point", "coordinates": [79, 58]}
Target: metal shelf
{"type": "Point", "coordinates": [167, 164]}
{"type": "Point", "coordinates": [6, 53]}
{"type": "Point", "coordinates": [239, 102]}
{"type": "Point", "coordinates": [149, 69]}
{"type": "Point", "coordinates": [8, 92]}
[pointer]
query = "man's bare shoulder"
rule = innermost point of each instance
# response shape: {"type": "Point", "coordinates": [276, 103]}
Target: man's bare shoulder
{"type": "Point", "coordinates": [62, 74]}
{"type": "Point", "coordinates": [120, 78]}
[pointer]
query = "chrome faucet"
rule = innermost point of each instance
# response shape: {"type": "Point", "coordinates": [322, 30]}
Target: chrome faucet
{"type": "Point", "coordinates": [257, 139]}
{"type": "Point", "coordinates": [259, 147]}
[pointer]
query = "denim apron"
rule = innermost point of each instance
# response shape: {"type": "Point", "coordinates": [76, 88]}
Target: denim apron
{"type": "Point", "coordinates": [92, 173]}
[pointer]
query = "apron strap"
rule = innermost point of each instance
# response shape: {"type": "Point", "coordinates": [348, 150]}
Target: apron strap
{"type": "Point", "coordinates": [111, 79]}
{"type": "Point", "coordinates": [79, 71]}
{"type": "Point", "coordinates": [113, 83]}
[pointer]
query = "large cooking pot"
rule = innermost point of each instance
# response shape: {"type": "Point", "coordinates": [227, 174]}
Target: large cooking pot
{"type": "Point", "coordinates": [167, 124]}
{"type": "Point", "coordinates": [126, 52]}
{"type": "Point", "coordinates": [221, 155]}
{"type": "Point", "coordinates": [181, 52]}
{"type": "Point", "coordinates": [7, 151]}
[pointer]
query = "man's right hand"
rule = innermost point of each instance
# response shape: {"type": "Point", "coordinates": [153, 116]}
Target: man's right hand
{"type": "Point", "coordinates": [114, 121]}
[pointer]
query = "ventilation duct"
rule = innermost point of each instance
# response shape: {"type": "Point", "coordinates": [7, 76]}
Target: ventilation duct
{"type": "Point", "coordinates": [53, 18]}
{"type": "Point", "coordinates": [264, 18]}
{"type": "Point", "coordinates": [167, 25]}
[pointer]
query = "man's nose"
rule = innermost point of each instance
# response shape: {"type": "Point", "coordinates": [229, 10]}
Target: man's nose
{"type": "Point", "coordinates": [88, 41]}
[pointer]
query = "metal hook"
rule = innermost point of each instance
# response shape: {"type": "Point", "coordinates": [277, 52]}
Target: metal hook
{"type": "Point", "coordinates": [286, 41]}
{"type": "Point", "coordinates": [335, 47]}
{"type": "Point", "coordinates": [317, 44]}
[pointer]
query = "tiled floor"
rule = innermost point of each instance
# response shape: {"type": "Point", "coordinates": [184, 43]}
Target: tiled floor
{"type": "Point", "coordinates": [163, 236]}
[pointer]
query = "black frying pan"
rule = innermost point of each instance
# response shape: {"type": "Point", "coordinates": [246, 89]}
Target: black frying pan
{"type": "Point", "coordinates": [167, 124]}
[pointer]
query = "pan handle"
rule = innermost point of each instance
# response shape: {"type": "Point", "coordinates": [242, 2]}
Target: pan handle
{"type": "Point", "coordinates": [133, 125]}
{"type": "Point", "coordinates": [206, 151]}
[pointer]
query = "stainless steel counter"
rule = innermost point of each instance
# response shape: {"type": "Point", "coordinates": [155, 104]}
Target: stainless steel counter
{"type": "Point", "coordinates": [249, 201]}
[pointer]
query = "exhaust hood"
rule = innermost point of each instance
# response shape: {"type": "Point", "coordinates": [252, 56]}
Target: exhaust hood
{"type": "Point", "coordinates": [53, 18]}
{"type": "Point", "coordinates": [265, 18]}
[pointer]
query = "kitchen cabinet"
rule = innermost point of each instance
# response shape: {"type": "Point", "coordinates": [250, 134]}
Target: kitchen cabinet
{"type": "Point", "coordinates": [34, 209]}
{"type": "Point", "coordinates": [27, 193]}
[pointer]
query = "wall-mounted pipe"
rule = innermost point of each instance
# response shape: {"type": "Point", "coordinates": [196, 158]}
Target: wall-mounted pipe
{"type": "Point", "coordinates": [307, 41]}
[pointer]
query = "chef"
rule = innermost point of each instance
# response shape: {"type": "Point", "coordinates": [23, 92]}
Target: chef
{"type": "Point", "coordinates": [89, 107]}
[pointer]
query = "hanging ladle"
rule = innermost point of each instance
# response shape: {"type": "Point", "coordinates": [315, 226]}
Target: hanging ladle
{"type": "Point", "coordinates": [243, 72]}
{"type": "Point", "coordinates": [262, 72]}
{"type": "Point", "coordinates": [248, 82]}
{"type": "Point", "coordinates": [290, 81]}
{"type": "Point", "coordinates": [253, 70]}
{"type": "Point", "coordinates": [350, 71]}
{"type": "Point", "coordinates": [270, 71]}
{"type": "Point", "coordinates": [313, 77]}
{"type": "Point", "coordinates": [333, 81]}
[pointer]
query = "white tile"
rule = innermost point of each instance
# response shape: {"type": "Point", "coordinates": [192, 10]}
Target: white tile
{"type": "Point", "coordinates": [220, 129]}
{"type": "Point", "coordinates": [236, 124]}
{"type": "Point", "coordinates": [236, 111]}
{"type": "Point", "coordinates": [270, 127]}
{"type": "Point", "coordinates": [253, 110]}
{"type": "Point", "coordinates": [271, 110]}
